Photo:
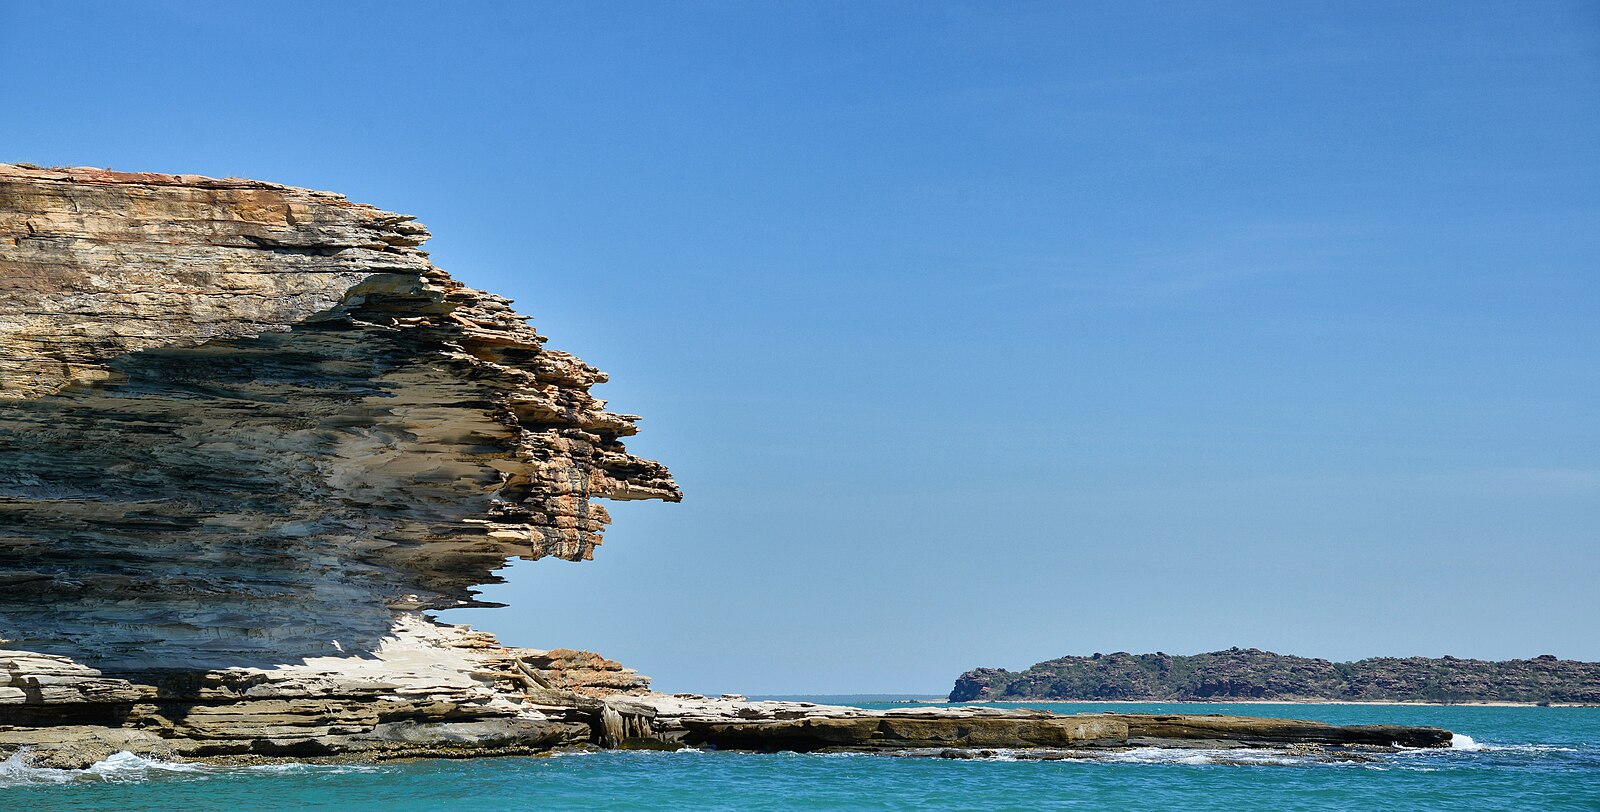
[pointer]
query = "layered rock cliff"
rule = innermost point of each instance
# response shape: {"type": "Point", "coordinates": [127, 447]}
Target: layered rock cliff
{"type": "Point", "coordinates": [251, 426]}
{"type": "Point", "coordinates": [234, 414]}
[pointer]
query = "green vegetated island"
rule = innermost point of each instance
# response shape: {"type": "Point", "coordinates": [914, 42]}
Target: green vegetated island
{"type": "Point", "coordinates": [1253, 674]}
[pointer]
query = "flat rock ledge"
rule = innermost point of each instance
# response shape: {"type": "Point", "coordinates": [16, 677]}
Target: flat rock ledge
{"type": "Point", "coordinates": [774, 727]}
{"type": "Point", "coordinates": [546, 720]}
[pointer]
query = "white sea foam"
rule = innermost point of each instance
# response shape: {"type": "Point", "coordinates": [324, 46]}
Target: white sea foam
{"type": "Point", "coordinates": [16, 772]}
{"type": "Point", "coordinates": [1461, 741]}
{"type": "Point", "coordinates": [1528, 748]}
{"type": "Point", "coordinates": [298, 767]}
{"type": "Point", "coordinates": [117, 767]}
{"type": "Point", "coordinates": [126, 767]}
{"type": "Point", "coordinates": [1235, 757]}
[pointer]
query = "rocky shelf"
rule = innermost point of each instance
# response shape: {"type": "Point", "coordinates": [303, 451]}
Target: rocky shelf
{"type": "Point", "coordinates": [966, 728]}
{"type": "Point", "coordinates": [250, 435]}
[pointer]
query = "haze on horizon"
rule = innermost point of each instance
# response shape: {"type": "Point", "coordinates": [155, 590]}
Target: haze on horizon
{"type": "Point", "coordinates": [977, 334]}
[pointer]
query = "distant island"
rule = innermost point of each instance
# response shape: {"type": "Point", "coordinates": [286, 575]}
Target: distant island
{"type": "Point", "coordinates": [1253, 674]}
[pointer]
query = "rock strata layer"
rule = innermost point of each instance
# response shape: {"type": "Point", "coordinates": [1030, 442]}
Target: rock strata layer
{"type": "Point", "coordinates": [242, 423]}
{"type": "Point", "coordinates": [250, 435]}
{"type": "Point", "coordinates": [969, 728]}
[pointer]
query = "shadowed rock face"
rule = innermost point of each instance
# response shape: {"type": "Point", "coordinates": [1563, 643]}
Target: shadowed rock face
{"type": "Point", "coordinates": [243, 424]}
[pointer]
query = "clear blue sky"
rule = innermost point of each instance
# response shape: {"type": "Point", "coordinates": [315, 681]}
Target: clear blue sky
{"type": "Point", "coordinates": [976, 333]}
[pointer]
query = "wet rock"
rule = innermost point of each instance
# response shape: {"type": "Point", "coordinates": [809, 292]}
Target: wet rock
{"type": "Point", "coordinates": [1219, 730]}
{"type": "Point", "coordinates": [891, 732]}
{"type": "Point", "coordinates": [804, 727]}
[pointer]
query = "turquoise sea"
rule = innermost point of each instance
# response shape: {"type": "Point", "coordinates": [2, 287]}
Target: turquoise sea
{"type": "Point", "coordinates": [1507, 758]}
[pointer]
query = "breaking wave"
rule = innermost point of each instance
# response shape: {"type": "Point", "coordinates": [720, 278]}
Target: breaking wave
{"type": "Point", "coordinates": [1235, 757]}
{"type": "Point", "coordinates": [123, 766]}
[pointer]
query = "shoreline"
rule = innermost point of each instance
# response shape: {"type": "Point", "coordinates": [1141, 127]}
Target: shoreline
{"type": "Point", "coordinates": [1390, 702]}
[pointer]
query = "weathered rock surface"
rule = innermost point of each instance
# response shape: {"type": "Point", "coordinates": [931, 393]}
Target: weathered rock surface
{"type": "Point", "coordinates": [249, 434]}
{"type": "Point", "coordinates": [907, 730]}
{"type": "Point", "coordinates": [803, 727]}
{"type": "Point", "coordinates": [582, 672]}
{"type": "Point", "coordinates": [241, 420]}
{"type": "Point", "coordinates": [1254, 674]}
{"type": "Point", "coordinates": [427, 690]}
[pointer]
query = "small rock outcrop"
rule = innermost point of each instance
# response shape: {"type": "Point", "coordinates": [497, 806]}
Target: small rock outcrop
{"type": "Point", "coordinates": [1247, 673]}
{"type": "Point", "coordinates": [581, 672]}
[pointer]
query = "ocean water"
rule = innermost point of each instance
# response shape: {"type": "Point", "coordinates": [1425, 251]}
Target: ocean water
{"type": "Point", "coordinates": [1505, 758]}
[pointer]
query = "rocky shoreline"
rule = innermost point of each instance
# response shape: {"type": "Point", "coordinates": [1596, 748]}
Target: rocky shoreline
{"type": "Point", "coordinates": [507, 701]}
{"type": "Point", "coordinates": [299, 730]}
{"type": "Point", "coordinates": [250, 435]}
{"type": "Point", "coordinates": [1288, 701]}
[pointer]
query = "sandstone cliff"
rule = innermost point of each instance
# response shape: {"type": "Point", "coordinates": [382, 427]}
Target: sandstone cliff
{"type": "Point", "coordinates": [248, 434]}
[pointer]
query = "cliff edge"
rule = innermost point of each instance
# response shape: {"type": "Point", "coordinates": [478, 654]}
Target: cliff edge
{"type": "Point", "coordinates": [249, 434]}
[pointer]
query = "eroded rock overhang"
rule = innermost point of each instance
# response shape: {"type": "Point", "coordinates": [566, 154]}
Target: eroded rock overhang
{"type": "Point", "coordinates": [244, 423]}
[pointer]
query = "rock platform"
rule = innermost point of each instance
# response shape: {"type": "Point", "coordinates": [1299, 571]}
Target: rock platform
{"type": "Point", "coordinates": [732, 724]}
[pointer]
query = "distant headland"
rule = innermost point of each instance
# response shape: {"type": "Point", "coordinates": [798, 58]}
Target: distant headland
{"type": "Point", "coordinates": [1252, 674]}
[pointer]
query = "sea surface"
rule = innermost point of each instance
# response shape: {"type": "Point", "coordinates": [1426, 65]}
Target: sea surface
{"type": "Point", "coordinates": [1513, 758]}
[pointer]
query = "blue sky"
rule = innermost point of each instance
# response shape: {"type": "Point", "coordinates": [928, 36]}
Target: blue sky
{"type": "Point", "coordinates": [976, 333]}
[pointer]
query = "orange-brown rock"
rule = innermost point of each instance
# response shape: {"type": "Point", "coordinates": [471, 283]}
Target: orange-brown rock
{"type": "Point", "coordinates": [582, 672]}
